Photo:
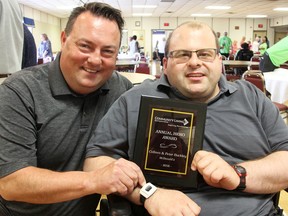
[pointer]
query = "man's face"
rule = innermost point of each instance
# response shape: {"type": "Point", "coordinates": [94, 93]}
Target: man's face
{"type": "Point", "coordinates": [89, 52]}
{"type": "Point", "coordinates": [195, 79]}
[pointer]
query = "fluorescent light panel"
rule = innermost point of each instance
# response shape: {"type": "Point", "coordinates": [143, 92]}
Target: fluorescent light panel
{"type": "Point", "coordinates": [144, 6]}
{"type": "Point", "coordinates": [142, 14]}
{"type": "Point", "coordinates": [256, 16]}
{"type": "Point", "coordinates": [280, 9]}
{"type": "Point", "coordinates": [66, 7]}
{"type": "Point", "coordinates": [201, 15]}
{"type": "Point", "coordinates": [218, 7]}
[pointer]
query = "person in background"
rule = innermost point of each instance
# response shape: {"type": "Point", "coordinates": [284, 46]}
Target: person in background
{"type": "Point", "coordinates": [244, 54]}
{"type": "Point", "coordinates": [243, 40]}
{"type": "Point", "coordinates": [267, 41]}
{"type": "Point", "coordinates": [274, 56]}
{"type": "Point", "coordinates": [48, 113]}
{"type": "Point", "coordinates": [11, 39]}
{"type": "Point", "coordinates": [218, 36]}
{"type": "Point", "coordinates": [263, 46]}
{"type": "Point", "coordinates": [242, 164]}
{"type": "Point", "coordinates": [134, 46]}
{"type": "Point", "coordinates": [225, 45]}
{"type": "Point", "coordinates": [249, 44]}
{"type": "Point", "coordinates": [29, 49]}
{"type": "Point", "coordinates": [255, 45]}
{"type": "Point", "coordinates": [45, 49]}
{"type": "Point", "coordinates": [234, 47]}
{"type": "Point", "coordinates": [161, 50]}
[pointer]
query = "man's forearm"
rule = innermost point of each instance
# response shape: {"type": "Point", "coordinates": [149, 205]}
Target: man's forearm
{"type": "Point", "coordinates": [95, 163]}
{"type": "Point", "coordinates": [267, 175]}
{"type": "Point", "coordinates": [40, 186]}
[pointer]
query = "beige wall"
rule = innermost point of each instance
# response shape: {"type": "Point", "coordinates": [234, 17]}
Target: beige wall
{"type": "Point", "coordinates": [236, 28]}
{"type": "Point", "coordinates": [44, 23]}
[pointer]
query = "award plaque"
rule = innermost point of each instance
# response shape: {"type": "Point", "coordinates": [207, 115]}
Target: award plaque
{"type": "Point", "coordinates": [169, 132]}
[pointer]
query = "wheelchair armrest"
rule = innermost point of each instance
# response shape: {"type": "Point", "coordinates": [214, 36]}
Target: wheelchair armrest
{"type": "Point", "coordinates": [118, 206]}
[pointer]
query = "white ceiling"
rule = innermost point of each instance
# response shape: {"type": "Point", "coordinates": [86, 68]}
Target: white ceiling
{"type": "Point", "coordinates": [168, 8]}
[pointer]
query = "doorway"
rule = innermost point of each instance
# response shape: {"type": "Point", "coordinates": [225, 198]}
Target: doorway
{"type": "Point", "coordinates": [260, 34]}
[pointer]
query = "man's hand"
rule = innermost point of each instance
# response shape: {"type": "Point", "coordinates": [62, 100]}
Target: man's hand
{"type": "Point", "coordinates": [215, 171]}
{"type": "Point", "coordinates": [171, 203]}
{"type": "Point", "coordinates": [120, 176]}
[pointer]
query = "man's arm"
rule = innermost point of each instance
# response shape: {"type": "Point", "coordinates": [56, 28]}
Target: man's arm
{"type": "Point", "coordinates": [265, 175]}
{"type": "Point", "coordinates": [160, 202]}
{"type": "Point", "coordinates": [124, 175]}
{"type": "Point", "coordinates": [35, 185]}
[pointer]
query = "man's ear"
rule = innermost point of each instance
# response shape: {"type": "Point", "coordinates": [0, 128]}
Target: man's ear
{"type": "Point", "coordinates": [165, 62]}
{"type": "Point", "coordinates": [63, 38]}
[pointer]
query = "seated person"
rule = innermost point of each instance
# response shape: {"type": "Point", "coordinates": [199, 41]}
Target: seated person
{"type": "Point", "coordinates": [243, 128]}
{"type": "Point", "coordinates": [48, 113]}
{"type": "Point", "coordinates": [244, 54]}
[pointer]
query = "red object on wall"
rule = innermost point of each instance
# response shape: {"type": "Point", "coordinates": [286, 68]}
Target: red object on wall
{"type": "Point", "coordinates": [260, 25]}
{"type": "Point", "coordinates": [166, 24]}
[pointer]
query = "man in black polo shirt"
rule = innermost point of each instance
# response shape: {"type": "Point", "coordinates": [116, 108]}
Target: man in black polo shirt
{"type": "Point", "coordinates": [48, 113]}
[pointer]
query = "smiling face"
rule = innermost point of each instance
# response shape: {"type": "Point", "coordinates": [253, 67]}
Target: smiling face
{"type": "Point", "coordinates": [89, 52]}
{"type": "Point", "coordinates": [195, 79]}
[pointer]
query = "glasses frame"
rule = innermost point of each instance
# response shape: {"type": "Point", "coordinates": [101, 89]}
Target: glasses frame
{"type": "Point", "coordinates": [170, 55]}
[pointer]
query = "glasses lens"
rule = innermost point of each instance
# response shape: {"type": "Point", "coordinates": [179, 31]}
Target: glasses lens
{"type": "Point", "coordinates": [206, 54]}
{"type": "Point", "coordinates": [183, 56]}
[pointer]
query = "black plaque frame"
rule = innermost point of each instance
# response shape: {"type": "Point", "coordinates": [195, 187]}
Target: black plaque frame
{"type": "Point", "coordinates": [169, 132]}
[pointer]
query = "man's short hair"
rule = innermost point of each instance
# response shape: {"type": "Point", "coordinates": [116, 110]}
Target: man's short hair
{"type": "Point", "coordinates": [97, 9]}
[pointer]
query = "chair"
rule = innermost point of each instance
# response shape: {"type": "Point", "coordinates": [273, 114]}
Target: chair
{"type": "Point", "coordinates": [142, 68]}
{"type": "Point", "coordinates": [233, 77]}
{"type": "Point", "coordinates": [223, 57]}
{"type": "Point", "coordinates": [231, 57]}
{"type": "Point", "coordinates": [255, 59]}
{"type": "Point", "coordinates": [256, 77]}
{"type": "Point", "coordinates": [115, 206]}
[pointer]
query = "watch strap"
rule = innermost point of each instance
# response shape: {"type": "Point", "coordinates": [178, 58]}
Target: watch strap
{"type": "Point", "coordinates": [241, 172]}
{"type": "Point", "coordinates": [146, 191]}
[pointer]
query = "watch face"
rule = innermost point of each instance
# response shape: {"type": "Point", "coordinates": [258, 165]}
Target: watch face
{"type": "Point", "coordinates": [240, 169]}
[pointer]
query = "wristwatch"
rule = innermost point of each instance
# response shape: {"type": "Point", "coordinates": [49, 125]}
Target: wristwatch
{"type": "Point", "coordinates": [241, 172]}
{"type": "Point", "coordinates": [146, 191]}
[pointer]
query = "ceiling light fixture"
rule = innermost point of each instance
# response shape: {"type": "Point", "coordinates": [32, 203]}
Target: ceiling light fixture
{"type": "Point", "coordinates": [218, 7]}
{"type": "Point", "coordinates": [144, 6]}
{"type": "Point", "coordinates": [201, 15]}
{"type": "Point", "coordinates": [281, 9]}
{"type": "Point", "coordinates": [256, 16]}
{"type": "Point", "coordinates": [142, 14]}
{"type": "Point", "coordinates": [70, 7]}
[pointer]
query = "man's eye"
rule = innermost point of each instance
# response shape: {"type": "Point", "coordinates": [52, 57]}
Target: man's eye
{"type": "Point", "coordinates": [182, 54]}
{"type": "Point", "coordinates": [108, 53]}
{"type": "Point", "coordinates": [205, 54]}
{"type": "Point", "coordinates": [84, 46]}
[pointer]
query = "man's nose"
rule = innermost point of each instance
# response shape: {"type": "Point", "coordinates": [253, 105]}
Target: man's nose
{"type": "Point", "coordinates": [95, 58]}
{"type": "Point", "coordinates": [194, 60]}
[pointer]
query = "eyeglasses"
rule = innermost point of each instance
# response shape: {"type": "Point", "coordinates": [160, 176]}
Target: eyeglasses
{"type": "Point", "coordinates": [183, 56]}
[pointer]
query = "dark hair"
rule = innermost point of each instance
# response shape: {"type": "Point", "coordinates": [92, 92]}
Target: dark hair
{"type": "Point", "coordinates": [193, 25]}
{"type": "Point", "coordinates": [134, 37]}
{"type": "Point", "coordinates": [97, 9]}
{"type": "Point", "coordinates": [245, 45]}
